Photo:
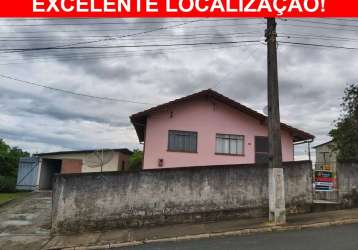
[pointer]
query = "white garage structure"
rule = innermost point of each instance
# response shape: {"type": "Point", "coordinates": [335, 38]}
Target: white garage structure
{"type": "Point", "coordinates": [37, 172]}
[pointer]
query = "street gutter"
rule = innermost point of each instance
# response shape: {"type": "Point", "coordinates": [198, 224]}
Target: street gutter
{"type": "Point", "coordinates": [264, 229]}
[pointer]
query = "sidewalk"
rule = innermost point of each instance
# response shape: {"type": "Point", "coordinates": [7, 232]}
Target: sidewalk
{"type": "Point", "coordinates": [118, 238]}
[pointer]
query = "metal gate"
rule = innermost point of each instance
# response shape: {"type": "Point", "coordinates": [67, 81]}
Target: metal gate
{"type": "Point", "coordinates": [27, 173]}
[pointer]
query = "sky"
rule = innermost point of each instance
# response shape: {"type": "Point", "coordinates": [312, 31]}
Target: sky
{"type": "Point", "coordinates": [125, 59]}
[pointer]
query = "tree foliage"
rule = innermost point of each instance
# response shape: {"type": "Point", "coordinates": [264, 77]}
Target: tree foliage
{"type": "Point", "coordinates": [345, 133]}
{"type": "Point", "coordinates": [136, 160]}
{"type": "Point", "coordinates": [9, 161]}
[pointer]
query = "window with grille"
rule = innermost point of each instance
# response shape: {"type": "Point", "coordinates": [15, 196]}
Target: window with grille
{"type": "Point", "coordinates": [182, 141]}
{"type": "Point", "coordinates": [229, 144]}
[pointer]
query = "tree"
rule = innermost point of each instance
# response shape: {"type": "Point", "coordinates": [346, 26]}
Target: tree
{"type": "Point", "coordinates": [345, 133]}
{"type": "Point", "coordinates": [9, 161]}
{"type": "Point", "coordinates": [136, 160]}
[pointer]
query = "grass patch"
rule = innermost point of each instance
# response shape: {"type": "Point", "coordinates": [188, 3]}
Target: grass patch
{"type": "Point", "coordinates": [5, 197]}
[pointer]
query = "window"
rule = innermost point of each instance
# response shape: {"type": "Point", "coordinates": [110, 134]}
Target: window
{"type": "Point", "coordinates": [182, 141]}
{"type": "Point", "coordinates": [230, 144]}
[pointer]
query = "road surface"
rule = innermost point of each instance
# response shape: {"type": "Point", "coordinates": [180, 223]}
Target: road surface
{"type": "Point", "coordinates": [329, 238]}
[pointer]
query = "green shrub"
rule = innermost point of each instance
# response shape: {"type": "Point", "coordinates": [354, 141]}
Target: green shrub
{"type": "Point", "coordinates": [7, 184]}
{"type": "Point", "coordinates": [136, 160]}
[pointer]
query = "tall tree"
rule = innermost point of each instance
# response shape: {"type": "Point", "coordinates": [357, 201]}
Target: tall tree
{"type": "Point", "coordinates": [345, 133]}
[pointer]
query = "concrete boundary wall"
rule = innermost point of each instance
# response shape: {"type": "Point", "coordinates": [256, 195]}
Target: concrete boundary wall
{"type": "Point", "coordinates": [95, 201]}
{"type": "Point", "coordinates": [347, 180]}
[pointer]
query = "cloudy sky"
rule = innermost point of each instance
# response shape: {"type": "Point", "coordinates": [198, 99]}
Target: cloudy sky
{"type": "Point", "coordinates": [123, 59]}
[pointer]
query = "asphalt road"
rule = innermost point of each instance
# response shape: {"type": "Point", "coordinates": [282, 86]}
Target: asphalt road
{"type": "Point", "coordinates": [329, 238]}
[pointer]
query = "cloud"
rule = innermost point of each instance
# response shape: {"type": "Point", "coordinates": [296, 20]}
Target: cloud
{"type": "Point", "coordinates": [312, 79]}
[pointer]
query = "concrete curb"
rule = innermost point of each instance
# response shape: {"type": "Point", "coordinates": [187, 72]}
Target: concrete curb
{"type": "Point", "coordinates": [241, 232]}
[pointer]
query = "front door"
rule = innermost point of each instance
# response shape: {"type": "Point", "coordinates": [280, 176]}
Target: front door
{"type": "Point", "coordinates": [261, 149]}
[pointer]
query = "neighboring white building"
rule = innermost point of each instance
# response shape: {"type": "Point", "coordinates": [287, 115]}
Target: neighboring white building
{"type": "Point", "coordinates": [325, 153]}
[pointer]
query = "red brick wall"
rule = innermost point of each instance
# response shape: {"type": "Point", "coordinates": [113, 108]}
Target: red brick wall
{"type": "Point", "coordinates": [70, 166]}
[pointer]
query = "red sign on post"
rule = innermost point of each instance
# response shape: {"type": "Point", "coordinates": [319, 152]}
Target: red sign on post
{"type": "Point", "coordinates": [322, 179]}
{"type": "Point", "coordinates": [178, 8]}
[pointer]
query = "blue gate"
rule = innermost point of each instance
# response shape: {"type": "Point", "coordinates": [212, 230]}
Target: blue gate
{"type": "Point", "coordinates": [27, 174]}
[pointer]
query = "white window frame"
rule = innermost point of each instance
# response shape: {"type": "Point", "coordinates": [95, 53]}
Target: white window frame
{"type": "Point", "coordinates": [231, 144]}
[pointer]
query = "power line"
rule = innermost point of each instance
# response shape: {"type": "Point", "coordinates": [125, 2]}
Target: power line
{"type": "Point", "coordinates": [123, 36]}
{"type": "Point", "coordinates": [129, 46]}
{"type": "Point", "coordinates": [116, 55]}
{"type": "Point", "coordinates": [320, 22]}
{"type": "Point", "coordinates": [147, 37]}
{"type": "Point", "coordinates": [83, 24]}
{"type": "Point", "coordinates": [111, 23]}
{"type": "Point", "coordinates": [15, 50]}
{"type": "Point", "coordinates": [113, 51]}
{"type": "Point", "coordinates": [171, 37]}
{"type": "Point", "coordinates": [247, 25]}
{"type": "Point", "coordinates": [319, 45]}
{"type": "Point", "coordinates": [133, 41]}
{"type": "Point", "coordinates": [345, 19]}
{"type": "Point", "coordinates": [318, 36]}
{"type": "Point", "coordinates": [107, 36]}
{"type": "Point", "coordinates": [72, 92]}
{"type": "Point", "coordinates": [317, 27]}
{"type": "Point", "coordinates": [321, 39]}
{"type": "Point", "coordinates": [129, 35]}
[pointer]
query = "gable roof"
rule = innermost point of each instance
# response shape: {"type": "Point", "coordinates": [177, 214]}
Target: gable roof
{"type": "Point", "coordinates": [323, 144]}
{"type": "Point", "coordinates": [139, 119]}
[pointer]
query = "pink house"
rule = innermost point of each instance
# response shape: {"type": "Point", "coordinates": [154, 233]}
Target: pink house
{"type": "Point", "coordinates": [207, 128]}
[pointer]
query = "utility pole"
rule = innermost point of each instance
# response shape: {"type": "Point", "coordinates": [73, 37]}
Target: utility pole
{"type": "Point", "coordinates": [277, 210]}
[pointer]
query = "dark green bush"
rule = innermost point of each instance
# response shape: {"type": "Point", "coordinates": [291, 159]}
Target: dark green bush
{"type": "Point", "coordinates": [136, 160]}
{"type": "Point", "coordinates": [9, 161]}
{"type": "Point", "coordinates": [7, 184]}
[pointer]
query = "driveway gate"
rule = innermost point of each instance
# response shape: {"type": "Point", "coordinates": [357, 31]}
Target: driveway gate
{"type": "Point", "coordinates": [27, 173]}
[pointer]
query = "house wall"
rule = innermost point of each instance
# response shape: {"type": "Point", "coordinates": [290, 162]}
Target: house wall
{"type": "Point", "coordinates": [207, 118]}
{"type": "Point", "coordinates": [330, 157]}
{"type": "Point", "coordinates": [155, 197]}
{"type": "Point", "coordinates": [114, 164]}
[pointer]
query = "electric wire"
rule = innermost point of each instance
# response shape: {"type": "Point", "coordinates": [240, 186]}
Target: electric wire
{"type": "Point", "coordinates": [113, 56]}
{"type": "Point", "coordinates": [109, 23]}
{"type": "Point", "coordinates": [15, 50]}
{"type": "Point", "coordinates": [320, 22]}
{"type": "Point", "coordinates": [71, 92]}
{"type": "Point", "coordinates": [318, 45]}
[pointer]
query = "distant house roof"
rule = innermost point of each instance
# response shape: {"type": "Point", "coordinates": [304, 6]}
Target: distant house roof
{"type": "Point", "coordinates": [139, 120]}
{"type": "Point", "coordinates": [122, 150]}
{"type": "Point", "coordinates": [323, 144]}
